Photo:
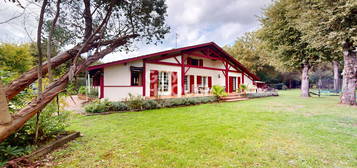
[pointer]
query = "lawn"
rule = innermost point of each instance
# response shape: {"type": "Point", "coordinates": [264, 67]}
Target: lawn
{"type": "Point", "coordinates": [284, 131]}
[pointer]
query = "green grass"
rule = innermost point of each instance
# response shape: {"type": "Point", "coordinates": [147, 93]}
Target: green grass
{"type": "Point", "coordinates": [284, 131]}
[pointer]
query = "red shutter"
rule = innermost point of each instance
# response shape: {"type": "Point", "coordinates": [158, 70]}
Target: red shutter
{"type": "Point", "coordinates": [199, 80]}
{"type": "Point", "coordinates": [154, 82]}
{"type": "Point", "coordinates": [200, 62]}
{"type": "Point", "coordinates": [209, 82]}
{"type": "Point", "coordinates": [192, 78]}
{"type": "Point", "coordinates": [242, 77]}
{"type": "Point", "coordinates": [174, 83]}
{"type": "Point", "coordinates": [230, 84]}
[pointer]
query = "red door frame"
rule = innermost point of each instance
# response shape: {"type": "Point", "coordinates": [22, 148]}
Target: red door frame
{"type": "Point", "coordinates": [101, 86]}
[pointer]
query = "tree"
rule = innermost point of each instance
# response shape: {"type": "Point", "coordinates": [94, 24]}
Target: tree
{"type": "Point", "coordinates": [109, 25]}
{"type": "Point", "coordinates": [280, 31]}
{"type": "Point", "coordinates": [332, 24]}
{"type": "Point", "coordinates": [16, 58]}
{"type": "Point", "coordinates": [252, 53]}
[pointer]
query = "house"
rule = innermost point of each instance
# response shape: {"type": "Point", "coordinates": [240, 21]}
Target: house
{"type": "Point", "coordinates": [178, 72]}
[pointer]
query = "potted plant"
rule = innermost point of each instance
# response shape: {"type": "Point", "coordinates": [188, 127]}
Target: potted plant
{"type": "Point", "coordinates": [243, 89]}
{"type": "Point", "coordinates": [218, 91]}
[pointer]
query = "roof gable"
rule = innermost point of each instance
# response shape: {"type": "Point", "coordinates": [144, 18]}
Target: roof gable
{"type": "Point", "coordinates": [218, 51]}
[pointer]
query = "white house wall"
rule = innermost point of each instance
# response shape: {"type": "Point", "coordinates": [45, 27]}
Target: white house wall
{"type": "Point", "coordinates": [119, 74]}
{"type": "Point", "coordinates": [117, 78]}
{"type": "Point", "coordinates": [166, 68]}
{"type": "Point", "coordinates": [117, 81]}
{"type": "Point", "coordinates": [120, 93]}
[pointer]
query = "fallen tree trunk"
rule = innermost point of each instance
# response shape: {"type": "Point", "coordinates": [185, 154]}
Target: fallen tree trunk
{"type": "Point", "coordinates": [54, 89]}
{"type": "Point", "coordinates": [5, 116]}
{"type": "Point", "coordinates": [19, 84]}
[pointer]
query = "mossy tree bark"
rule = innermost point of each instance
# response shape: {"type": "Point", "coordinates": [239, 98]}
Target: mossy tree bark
{"type": "Point", "coordinates": [349, 75]}
{"type": "Point", "coordinates": [305, 81]}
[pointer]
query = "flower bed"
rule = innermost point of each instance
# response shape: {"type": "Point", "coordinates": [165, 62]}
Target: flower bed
{"type": "Point", "coordinates": [134, 103]}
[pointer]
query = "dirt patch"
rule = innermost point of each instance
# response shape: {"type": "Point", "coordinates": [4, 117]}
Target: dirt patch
{"type": "Point", "coordinates": [75, 104]}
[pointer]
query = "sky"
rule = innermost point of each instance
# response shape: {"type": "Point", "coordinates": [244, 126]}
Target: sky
{"type": "Point", "coordinates": [191, 22]}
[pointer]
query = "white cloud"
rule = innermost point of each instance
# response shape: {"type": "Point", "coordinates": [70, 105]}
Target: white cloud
{"type": "Point", "coordinates": [195, 21]}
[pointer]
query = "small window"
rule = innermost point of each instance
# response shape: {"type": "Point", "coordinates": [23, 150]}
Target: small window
{"type": "Point", "coordinates": [196, 62]}
{"type": "Point", "coordinates": [136, 78]}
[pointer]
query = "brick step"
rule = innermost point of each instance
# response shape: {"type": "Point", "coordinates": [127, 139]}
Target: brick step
{"type": "Point", "coordinates": [233, 97]}
{"type": "Point", "coordinates": [236, 99]}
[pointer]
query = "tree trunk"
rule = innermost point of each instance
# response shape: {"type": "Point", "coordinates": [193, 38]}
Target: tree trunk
{"type": "Point", "coordinates": [5, 116]}
{"type": "Point", "coordinates": [305, 81]}
{"type": "Point", "coordinates": [55, 88]}
{"type": "Point", "coordinates": [336, 76]}
{"type": "Point", "coordinates": [349, 75]}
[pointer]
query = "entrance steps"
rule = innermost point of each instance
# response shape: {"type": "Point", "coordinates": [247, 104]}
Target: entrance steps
{"type": "Point", "coordinates": [233, 97]}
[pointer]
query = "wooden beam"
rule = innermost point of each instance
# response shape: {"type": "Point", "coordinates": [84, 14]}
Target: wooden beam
{"type": "Point", "coordinates": [183, 74]}
{"type": "Point", "coordinates": [187, 70]}
{"type": "Point", "coordinates": [204, 56]}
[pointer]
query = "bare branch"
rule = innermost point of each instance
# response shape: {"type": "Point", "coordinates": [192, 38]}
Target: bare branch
{"type": "Point", "coordinates": [15, 17]}
{"type": "Point", "coordinates": [88, 19]}
{"type": "Point", "coordinates": [49, 43]}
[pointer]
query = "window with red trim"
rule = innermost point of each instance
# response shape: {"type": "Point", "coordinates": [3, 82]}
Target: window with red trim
{"type": "Point", "coordinates": [136, 78]}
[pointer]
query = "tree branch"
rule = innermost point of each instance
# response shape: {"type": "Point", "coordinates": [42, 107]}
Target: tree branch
{"type": "Point", "coordinates": [88, 19]}
{"type": "Point", "coordinates": [49, 42]}
{"type": "Point", "coordinates": [54, 89]}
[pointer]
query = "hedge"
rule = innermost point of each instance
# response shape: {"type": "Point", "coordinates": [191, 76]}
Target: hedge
{"type": "Point", "coordinates": [139, 103]}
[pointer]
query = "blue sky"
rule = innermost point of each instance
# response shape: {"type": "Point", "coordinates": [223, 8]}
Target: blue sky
{"type": "Point", "coordinates": [195, 22]}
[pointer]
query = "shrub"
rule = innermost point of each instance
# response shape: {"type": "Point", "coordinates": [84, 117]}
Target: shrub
{"type": "Point", "coordinates": [22, 142]}
{"type": "Point", "coordinates": [218, 91]}
{"type": "Point", "coordinates": [151, 104]}
{"type": "Point", "coordinates": [135, 102]}
{"type": "Point", "coordinates": [93, 92]}
{"type": "Point", "coordinates": [82, 90]}
{"type": "Point", "coordinates": [119, 106]}
{"type": "Point", "coordinates": [98, 106]}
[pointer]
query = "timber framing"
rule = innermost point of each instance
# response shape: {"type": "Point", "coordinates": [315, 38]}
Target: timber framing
{"type": "Point", "coordinates": [209, 50]}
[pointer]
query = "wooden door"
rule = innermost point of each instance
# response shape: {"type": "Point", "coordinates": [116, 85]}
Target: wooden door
{"type": "Point", "coordinates": [231, 83]}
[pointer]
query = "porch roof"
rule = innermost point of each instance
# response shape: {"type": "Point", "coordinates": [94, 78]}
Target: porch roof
{"type": "Point", "coordinates": [212, 45]}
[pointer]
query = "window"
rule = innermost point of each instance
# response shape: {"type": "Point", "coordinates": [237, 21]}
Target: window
{"type": "Point", "coordinates": [186, 83]}
{"type": "Point", "coordinates": [164, 82]}
{"type": "Point", "coordinates": [197, 62]}
{"type": "Point", "coordinates": [234, 84]}
{"type": "Point", "coordinates": [136, 77]}
{"type": "Point", "coordinates": [204, 81]}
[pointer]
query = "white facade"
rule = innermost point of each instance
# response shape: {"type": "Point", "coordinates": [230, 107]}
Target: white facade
{"type": "Point", "coordinates": [117, 80]}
